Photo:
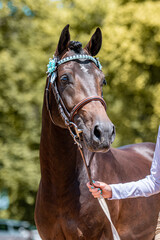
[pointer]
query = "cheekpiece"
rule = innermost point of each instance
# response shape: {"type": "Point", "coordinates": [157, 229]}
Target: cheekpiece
{"type": "Point", "coordinates": [54, 63]}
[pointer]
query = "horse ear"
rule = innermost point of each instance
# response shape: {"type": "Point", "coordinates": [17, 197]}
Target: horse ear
{"type": "Point", "coordinates": [95, 43]}
{"type": "Point", "coordinates": [63, 41]}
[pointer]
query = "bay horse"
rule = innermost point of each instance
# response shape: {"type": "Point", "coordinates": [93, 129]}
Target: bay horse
{"type": "Point", "coordinates": [65, 209]}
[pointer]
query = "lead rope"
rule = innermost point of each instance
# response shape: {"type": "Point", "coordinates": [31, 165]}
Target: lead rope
{"type": "Point", "coordinates": [104, 206]}
{"type": "Point", "coordinates": [101, 200]}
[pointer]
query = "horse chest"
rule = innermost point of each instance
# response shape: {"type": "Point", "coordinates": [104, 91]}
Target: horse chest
{"type": "Point", "coordinates": [80, 219]}
{"type": "Point", "coordinates": [78, 227]}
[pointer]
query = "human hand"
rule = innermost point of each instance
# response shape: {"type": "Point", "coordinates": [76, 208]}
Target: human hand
{"type": "Point", "coordinates": [100, 189]}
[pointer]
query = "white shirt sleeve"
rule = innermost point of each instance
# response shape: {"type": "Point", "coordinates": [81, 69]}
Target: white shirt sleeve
{"type": "Point", "coordinates": [145, 187]}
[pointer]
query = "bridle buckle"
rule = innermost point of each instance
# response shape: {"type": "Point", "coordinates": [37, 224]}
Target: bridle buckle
{"type": "Point", "coordinates": [75, 133]}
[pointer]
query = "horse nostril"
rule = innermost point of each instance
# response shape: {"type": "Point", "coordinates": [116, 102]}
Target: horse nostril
{"type": "Point", "coordinates": [113, 131]}
{"type": "Point", "coordinates": [113, 134]}
{"type": "Point", "coordinates": [97, 132]}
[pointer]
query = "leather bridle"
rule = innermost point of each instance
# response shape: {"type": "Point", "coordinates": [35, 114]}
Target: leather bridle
{"type": "Point", "coordinates": [68, 117]}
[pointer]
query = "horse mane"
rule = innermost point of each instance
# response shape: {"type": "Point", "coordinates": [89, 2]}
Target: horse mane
{"type": "Point", "coordinates": [75, 46]}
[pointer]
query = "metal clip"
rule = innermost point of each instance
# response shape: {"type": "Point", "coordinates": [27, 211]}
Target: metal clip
{"type": "Point", "coordinates": [76, 137]}
{"type": "Point", "coordinates": [77, 130]}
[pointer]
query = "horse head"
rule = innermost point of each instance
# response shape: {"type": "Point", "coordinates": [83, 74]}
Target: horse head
{"type": "Point", "coordinates": [78, 80]}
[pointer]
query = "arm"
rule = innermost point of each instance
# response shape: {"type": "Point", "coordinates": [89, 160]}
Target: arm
{"type": "Point", "coordinates": [142, 188]}
{"type": "Point", "coordinates": [145, 187]}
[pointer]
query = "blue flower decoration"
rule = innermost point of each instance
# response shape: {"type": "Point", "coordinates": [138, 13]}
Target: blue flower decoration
{"type": "Point", "coordinates": [51, 66]}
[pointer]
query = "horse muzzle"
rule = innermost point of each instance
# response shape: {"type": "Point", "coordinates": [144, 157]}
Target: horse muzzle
{"type": "Point", "coordinates": [102, 136]}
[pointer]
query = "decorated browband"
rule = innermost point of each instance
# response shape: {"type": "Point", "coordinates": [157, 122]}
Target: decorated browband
{"type": "Point", "coordinates": [54, 63]}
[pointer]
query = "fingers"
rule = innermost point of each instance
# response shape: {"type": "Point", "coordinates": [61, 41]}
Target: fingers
{"type": "Point", "coordinates": [96, 191]}
{"type": "Point", "coordinates": [100, 188]}
{"type": "Point", "coordinates": [97, 194]}
{"type": "Point", "coordinates": [89, 185]}
{"type": "Point", "coordinates": [97, 184]}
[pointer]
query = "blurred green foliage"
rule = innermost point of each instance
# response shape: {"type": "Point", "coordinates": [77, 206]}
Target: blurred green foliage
{"type": "Point", "coordinates": [130, 56]}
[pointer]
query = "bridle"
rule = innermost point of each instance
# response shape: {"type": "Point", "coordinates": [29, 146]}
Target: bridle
{"type": "Point", "coordinates": [68, 117]}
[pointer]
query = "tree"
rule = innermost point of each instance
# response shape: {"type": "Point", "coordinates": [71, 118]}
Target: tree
{"type": "Point", "coordinates": [130, 58]}
{"type": "Point", "coordinates": [28, 36]}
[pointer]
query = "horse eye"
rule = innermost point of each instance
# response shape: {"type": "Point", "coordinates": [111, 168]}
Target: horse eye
{"type": "Point", "coordinates": [64, 79]}
{"type": "Point", "coordinates": [104, 82]}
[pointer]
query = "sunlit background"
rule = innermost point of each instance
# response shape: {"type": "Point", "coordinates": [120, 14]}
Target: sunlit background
{"type": "Point", "coordinates": [130, 57]}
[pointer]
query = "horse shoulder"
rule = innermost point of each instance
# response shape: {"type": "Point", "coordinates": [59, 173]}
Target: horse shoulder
{"type": "Point", "coordinates": [132, 162]}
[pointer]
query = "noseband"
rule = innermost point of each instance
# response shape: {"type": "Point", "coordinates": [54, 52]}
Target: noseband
{"type": "Point", "coordinates": [83, 103]}
{"type": "Point", "coordinates": [68, 117]}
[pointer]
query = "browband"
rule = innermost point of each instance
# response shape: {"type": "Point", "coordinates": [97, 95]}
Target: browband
{"type": "Point", "coordinates": [54, 63]}
{"type": "Point", "coordinates": [81, 56]}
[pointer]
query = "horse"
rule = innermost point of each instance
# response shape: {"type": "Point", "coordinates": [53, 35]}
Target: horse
{"type": "Point", "coordinates": [65, 209]}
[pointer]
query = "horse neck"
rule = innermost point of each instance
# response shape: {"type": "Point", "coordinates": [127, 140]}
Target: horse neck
{"type": "Point", "coordinates": [58, 154]}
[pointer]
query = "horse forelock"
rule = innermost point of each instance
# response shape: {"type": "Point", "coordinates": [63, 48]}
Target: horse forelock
{"type": "Point", "coordinates": [75, 46]}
